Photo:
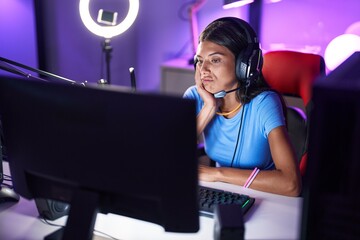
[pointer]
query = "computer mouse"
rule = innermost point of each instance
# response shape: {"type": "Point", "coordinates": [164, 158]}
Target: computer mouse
{"type": "Point", "coordinates": [8, 195]}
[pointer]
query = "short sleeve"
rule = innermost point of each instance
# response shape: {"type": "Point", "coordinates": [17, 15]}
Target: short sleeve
{"type": "Point", "coordinates": [271, 112]}
{"type": "Point", "coordinates": [191, 93]}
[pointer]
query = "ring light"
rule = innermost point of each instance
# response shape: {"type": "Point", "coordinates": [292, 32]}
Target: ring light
{"type": "Point", "coordinates": [340, 48]}
{"type": "Point", "coordinates": [108, 31]}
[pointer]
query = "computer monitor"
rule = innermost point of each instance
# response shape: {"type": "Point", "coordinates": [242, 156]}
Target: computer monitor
{"type": "Point", "coordinates": [331, 207]}
{"type": "Point", "coordinates": [102, 149]}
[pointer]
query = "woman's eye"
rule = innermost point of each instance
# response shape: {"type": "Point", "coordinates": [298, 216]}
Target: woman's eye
{"type": "Point", "coordinates": [215, 60]}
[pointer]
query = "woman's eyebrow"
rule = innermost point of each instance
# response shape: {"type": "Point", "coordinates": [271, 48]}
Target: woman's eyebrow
{"type": "Point", "coordinates": [216, 53]}
{"type": "Point", "coordinates": [212, 54]}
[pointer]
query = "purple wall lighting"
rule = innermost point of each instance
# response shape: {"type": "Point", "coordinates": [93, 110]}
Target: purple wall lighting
{"type": "Point", "coordinates": [158, 36]}
{"type": "Point", "coordinates": [72, 51]}
{"type": "Point", "coordinates": [312, 26]}
{"type": "Point", "coordinates": [17, 31]}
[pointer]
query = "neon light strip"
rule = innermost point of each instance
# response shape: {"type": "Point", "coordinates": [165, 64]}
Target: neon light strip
{"type": "Point", "coordinates": [237, 4]}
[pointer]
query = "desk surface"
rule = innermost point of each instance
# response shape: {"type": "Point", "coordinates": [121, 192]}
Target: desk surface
{"type": "Point", "coordinates": [271, 217]}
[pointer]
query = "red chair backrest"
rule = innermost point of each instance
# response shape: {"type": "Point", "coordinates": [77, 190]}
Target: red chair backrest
{"type": "Point", "coordinates": [293, 73]}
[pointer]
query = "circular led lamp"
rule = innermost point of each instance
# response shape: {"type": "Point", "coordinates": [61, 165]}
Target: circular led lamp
{"type": "Point", "coordinates": [340, 48]}
{"type": "Point", "coordinates": [108, 31]}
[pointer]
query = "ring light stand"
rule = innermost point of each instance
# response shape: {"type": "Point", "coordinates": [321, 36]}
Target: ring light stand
{"type": "Point", "coordinates": [107, 31]}
{"type": "Point", "coordinates": [107, 49]}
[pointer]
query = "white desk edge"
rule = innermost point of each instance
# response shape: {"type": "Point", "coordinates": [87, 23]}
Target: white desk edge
{"type": "Point", "coordinates": [272, 217]}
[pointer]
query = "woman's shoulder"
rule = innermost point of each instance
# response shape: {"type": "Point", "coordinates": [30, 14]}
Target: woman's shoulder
{"type": "Point", "coordinates": [191, 92]}
{"type": "Point", "coordinates": [267, 95]}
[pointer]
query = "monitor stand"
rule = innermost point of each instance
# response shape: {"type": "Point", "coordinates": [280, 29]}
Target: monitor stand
{"type": "Point", "coordinates": [82, 216]}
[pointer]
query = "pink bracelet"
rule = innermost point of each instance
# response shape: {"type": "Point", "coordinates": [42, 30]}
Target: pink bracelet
{"type": "Point", "coordinates": [251, 177]}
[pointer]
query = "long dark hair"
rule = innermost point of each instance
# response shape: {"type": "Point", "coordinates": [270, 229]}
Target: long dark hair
{"type": "Point", "coordinates": [230, 35]}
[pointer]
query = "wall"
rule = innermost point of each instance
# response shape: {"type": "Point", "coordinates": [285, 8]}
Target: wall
{"type": "Point", "coordinates": [308, 25]}
{"type": "Point", "coordinates": [161, 32]}
{"type": "Point", "coordinates": [164, 33]}
{"type": "Point", "coordinates": [17, 32]}
{"type": "Point", "coordinates": [72, 51]}
{"type": "Point", "coordinates": [161, 35]}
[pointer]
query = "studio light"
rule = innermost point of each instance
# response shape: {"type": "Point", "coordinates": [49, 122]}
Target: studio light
{"type": "Point", "coordinates": [109, 28]}
{"type": "Point", "coordinates": [340, 48]}
{"type": "Point", "coordinates": [108, 31]}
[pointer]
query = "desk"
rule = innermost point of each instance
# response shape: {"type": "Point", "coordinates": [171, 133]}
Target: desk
{"type": "Point", "coordinates": [271, 217]}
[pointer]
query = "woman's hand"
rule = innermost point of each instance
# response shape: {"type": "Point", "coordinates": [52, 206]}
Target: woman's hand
{"type": "Point", "coordinates": [206, 96]}
{"type": "Point", "coordinates": [207, 174]}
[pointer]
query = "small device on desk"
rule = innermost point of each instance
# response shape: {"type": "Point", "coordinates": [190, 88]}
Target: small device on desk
{"type": "Point", "coordinates": [228, 222]}
{"type": "Point", "coordinates": [8, 195]}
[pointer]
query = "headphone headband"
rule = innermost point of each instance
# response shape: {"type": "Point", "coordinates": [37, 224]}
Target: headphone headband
{"type": "Point", "coordinates": [251, 36]}
{"type": "Point", "coordinates": [249, 60]}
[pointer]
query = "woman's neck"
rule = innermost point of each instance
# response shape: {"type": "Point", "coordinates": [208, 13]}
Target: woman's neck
{"type": "Point", "coordinates": [230, 106]}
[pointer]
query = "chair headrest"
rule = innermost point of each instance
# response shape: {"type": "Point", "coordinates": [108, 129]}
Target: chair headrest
{"type": "Point", "coordinates": [293, 73]}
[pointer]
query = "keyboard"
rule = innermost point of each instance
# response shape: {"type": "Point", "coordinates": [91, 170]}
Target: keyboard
{"type": "Point", "coordinates": [210, 197]}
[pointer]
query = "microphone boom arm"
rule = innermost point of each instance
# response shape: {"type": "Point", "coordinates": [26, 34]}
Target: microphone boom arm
{"type": "Point", "coordinates": [223, 93]}
{"type": "Point", "coordinates": [6, 65]}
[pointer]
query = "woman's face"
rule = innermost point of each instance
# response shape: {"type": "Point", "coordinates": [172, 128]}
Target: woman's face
{"type": "Point", "coordinates": [216, 64]}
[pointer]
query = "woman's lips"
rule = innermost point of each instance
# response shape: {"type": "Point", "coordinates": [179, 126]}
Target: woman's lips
{"type": "Point", "coordinates": [206, 80]}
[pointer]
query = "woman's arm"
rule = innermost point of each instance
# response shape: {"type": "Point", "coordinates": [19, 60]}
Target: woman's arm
{"type": "Point", "coordinates": [285, 179]}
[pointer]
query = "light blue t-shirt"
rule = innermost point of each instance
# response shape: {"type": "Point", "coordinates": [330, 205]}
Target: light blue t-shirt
{"type": "Point", "coordinates": [261, 115]}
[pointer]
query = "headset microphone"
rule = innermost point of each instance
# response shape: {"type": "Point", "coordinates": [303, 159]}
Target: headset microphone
{"type": "Point", "coordinates": [223, 93]}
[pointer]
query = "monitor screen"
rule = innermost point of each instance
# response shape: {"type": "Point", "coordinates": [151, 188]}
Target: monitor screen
{"type": "Point", "coordinates": [103, 149]}
{"type": "Point", "coordinates": [331, 197]}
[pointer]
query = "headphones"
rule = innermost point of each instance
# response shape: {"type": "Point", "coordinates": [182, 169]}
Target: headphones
{"type": "Point", "coordinates": [249, 60]}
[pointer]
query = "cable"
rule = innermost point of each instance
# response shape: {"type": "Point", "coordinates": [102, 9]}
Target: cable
{"type": "Point", "coordinates": [45, 221]}
{"type": "Point", "coordinates": [6, 178]}
{"type": "Point", "coordinates": [238, 136]}
{"type": "Point", "coordinates": [6, 185]}
{"type": "Point", "coordinates": [241, 122]}
{"type": "Point", "coordinates": [106, 235]}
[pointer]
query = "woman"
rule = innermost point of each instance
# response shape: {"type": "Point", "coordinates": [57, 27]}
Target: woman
{"type": "Point", "coordinates": [240, 118]}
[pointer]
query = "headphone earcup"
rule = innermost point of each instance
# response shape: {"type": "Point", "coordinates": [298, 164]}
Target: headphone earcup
{"type": "Point", "coordinates": [242, 66]}
{"type": "Point", "coordinates": [195, 61]}
{"type": "Point", "coordinates": [248, 63]}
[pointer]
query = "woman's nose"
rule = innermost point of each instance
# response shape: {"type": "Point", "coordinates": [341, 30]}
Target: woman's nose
{"type": "Point", "coordinates": [205, 66]}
